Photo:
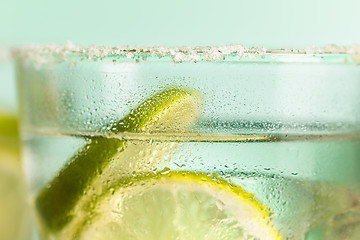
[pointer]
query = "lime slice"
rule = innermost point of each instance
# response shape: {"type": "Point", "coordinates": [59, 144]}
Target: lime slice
{"type": "Point", "coordinates": [172, 110]}
{"type": "Point", "coordinates": [173, 205]}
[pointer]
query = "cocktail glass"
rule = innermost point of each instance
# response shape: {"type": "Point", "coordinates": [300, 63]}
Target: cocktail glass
{"type": "Point", "coordinates": [191, 143]}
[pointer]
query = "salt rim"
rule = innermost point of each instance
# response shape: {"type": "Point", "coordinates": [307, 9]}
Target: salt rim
{"type": "Point", "coordinates": [70, 51]}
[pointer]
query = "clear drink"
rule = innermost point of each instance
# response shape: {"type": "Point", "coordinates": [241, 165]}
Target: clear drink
{"type": "Point", "coordinates": [205, 143]}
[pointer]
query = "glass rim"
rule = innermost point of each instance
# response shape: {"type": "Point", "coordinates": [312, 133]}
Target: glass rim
{"type": "Point", "coordinates": [73, 53]}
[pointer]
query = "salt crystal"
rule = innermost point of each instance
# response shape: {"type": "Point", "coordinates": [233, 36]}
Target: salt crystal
{"type": "Point", "coordinates": [70, 51]}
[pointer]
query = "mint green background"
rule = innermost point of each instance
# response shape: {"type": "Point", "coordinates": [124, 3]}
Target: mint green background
{"type": "Point", "coordinates": [268, 23]}
{"type": "Point", "coordinates": [272, 23]}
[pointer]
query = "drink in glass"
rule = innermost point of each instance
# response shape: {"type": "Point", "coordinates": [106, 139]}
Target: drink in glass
{"type": "Point", "coordinates": [191, 143]}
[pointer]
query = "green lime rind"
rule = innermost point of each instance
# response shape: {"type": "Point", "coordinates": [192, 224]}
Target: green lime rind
{"type": "Point", "coordinates": [148, 111]}
{"type": "Point", "coordinates": [56, 201]}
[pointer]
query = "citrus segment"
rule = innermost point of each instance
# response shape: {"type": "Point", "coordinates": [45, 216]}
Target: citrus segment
{"type": "Point", "coordinates": [175, 205]}
{"type": "Point", "coordinates": [171, 110]}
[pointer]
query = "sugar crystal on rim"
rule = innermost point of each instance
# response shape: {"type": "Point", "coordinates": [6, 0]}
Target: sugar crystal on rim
{"type": "Point", "coordinates": [72, 52]}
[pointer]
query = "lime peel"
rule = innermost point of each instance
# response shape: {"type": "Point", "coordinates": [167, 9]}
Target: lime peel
{"type": "Point", "coordinates": [165, 111]}
{"type": "Point", "coordinates": [251, 216]}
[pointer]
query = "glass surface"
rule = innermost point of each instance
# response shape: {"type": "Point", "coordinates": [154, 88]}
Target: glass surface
{"type": "Point", "coordinates": [191, 143]}
{"type": "Point", "coordinates": [14, 216]}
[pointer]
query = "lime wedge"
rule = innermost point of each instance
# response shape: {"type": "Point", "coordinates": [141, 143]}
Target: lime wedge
{"type": "Point", "coordinates": [8, 125]}
{"type": "Point", "coordinates": [9, 140]}
{"type": "Point", "coordinates": [172, 110]}
{"type": "Point", "coordinates": [173, 205]}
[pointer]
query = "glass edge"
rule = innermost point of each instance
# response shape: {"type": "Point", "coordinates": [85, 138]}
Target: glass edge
{"type": "Point", "coordinates": [228, 53]}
